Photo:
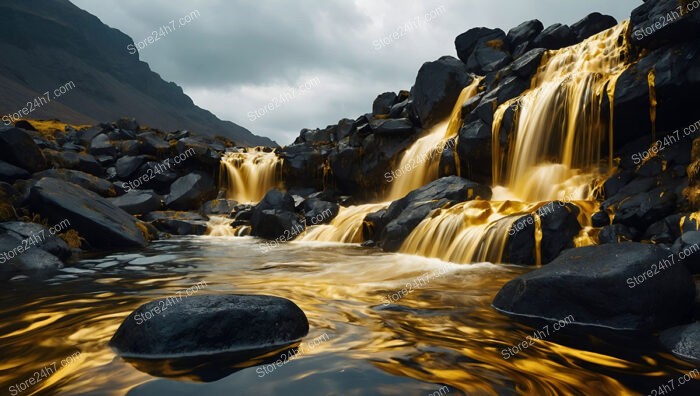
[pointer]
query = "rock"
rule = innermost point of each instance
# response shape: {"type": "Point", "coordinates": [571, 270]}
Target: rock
{"type": "Point", "coordinates": [75, 161]}
{"type": "Point", "coordinates": [382, 105]}
{"type": "Point", "coordinates": [219, 207]}
{"type": "Point", "coordinates": [523, 33]}
{"type": "Point", "coordinates": [600, 219]}
{"type": "Point", "coordinates": [615, 183]}
{"type": "Point", "coordinates": [404, 215]}
{"type": "Point", "coordinates": [275, 218]}
{"type": "Point", "coordinates": [101, 145]}
{"type": "Point", "coordinates": [436, 89]}
{"type": "Point", "coordinates": [616, 233]}
{"type": "Point", "coordinates": [592, 24]}
{"type": "Point", "coordinates": [664, 231]}
{"type": "Point", "coordinates": [102, 224]}
{"type": "Point", "coordinates": [138, 202]}
{"type": "Point", "coordinates": [687, 248]}
{"type": "Point", "coordinates": [128, 165]}
{"type": "Point", "coordinates": [318, 212]}
{"type": "Point", "coordinates": [41, 234]}
{"type": "Point", "coordinates": [19, 149]}
{"type": "Point", "coordinates": [191, 191]}
{"type": "Point", "coordinates": [643, 209]}
{"type": "Point", "coordinates": [153, 144]}
{"type": "Point", "coordinates": [658, 23]}
{"type": "Point", "coordinates": [10, 173]}
{"type": "Point", "coordinates": [467, 42]}
{"type": "Point", "coordinates": [178, 223]}
{"type": "Point", "coordinates": [683, 341]}
{"type": "Point", "coordinates": [555, 37]}
{"type": "Point", "coordinates": [526, 65]}
{"type": "Point", "coordinates": [509, 88]}
{"type": "Point", "coordinates": [474, 151]}
{"type": "Point", "coordinates": [24, 124]}
{"type": "Point", "coordinates": [635, 187]}
{"type": "Point", "coordinates": [207, 324]}
{"type": "Point", "coordinates": [198, 151]}
{"type": "Point", "coordinates": [8, 198]}
{"type": "Point", "coordinates": [17, 257]}
{"type": "Point", "coordinates": [153, 175]}
{"type": "Point", "coordinates": [128, 124]}
{"type": "Point", "coordinates": [490, 54]}
{"type": "Point", "coordinates": [84, 180]}
{"type": "Point", "coordinates": [392, 126]}
{"type": "Point", "coordinates": [600, 286]}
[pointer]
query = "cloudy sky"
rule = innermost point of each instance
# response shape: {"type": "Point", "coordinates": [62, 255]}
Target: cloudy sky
{"type": "Point", "coordinates": [234, 57]}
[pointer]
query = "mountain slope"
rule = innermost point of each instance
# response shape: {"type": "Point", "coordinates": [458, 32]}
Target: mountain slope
{"type": "Point", "coordinates": [48, 43]}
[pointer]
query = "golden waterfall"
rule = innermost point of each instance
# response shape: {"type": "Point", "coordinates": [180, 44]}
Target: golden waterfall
{"type": "Point", "coordinates": [249, 174]}
{"type": "Point", "coordinates": [554, 154]}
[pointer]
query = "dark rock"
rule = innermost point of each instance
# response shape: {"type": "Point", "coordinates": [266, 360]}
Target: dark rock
{"type": "Point", "coordinates": [128, 124]}
{"type": "Point", "coordinates": [467, 42]}
{"type": "Point", "coordinates": [404, 215]}
{"type": "Point", "coordinates": [84, 180]}
{"type": "Point", "coordinates": [592, 24]}
{"type": "Point", "coordinates": [474, 151]}
{"type": "Point", "coordinates": [600, 219]}
{"type": "Point", "coordinates": [490, 54]}
{"type": "Point", "coordinates": [102, 224]}
{"type": "Point", "coordinates": [40, 234]}
{"type": "Point", "coordinates": [85, 136]}
{"type": "Point", "coordinates": [206, 324]}
{"type": "Point", "coordinates": [616, 182]}
{"type": "Point", "coordinates": [16, 259]}
{"type": "Point", "coordinates": [437, 87]}
{"type": "Point", "coordinates": [178, 223]}
{"type": "Point", "coordinates": [683, 341]}
{"type": "Point", "coordinates": [138, 202]}
{"type": "Point", "coordinates": [10, 173]}
{"type": "Point", "coordinates": [319, 212]}
{"type": "Point", "coordinates": [191, 191]}
{"type": "Point", "coordinates": [525, 32]}
{"type": "Point", "coordinates": [658, 23]}
{"type": "Point", "coordinates": [635, 187]}
{"type": "Point", "coordinates": [153, 144]}
{"type": "Point", "coordinates": [153, 176]}
{"type": "Point", "coordinates": [392, 126]}
{"type": "Point", "coordinates": [687, 249]}
{"type": "Point", "coordinates": [198, 151]}
{"type": "Point", "coordinates": [24, 124]}
{"type": "Point", "coordinates": [664, 231]}
{"type": "Point", "coordinates": [101, 145]}
{"type": "Point", "coordinates": [555, 37]}
{"type": "Point", "coordinates": [526, 65]}
{"type": "Point", "coordinates": [129, 147]}
{"type": "Point", "coordinates": [275, 217]}
{"type": "Point", "coordinates": [616, 233]}
{"type": "Point", "coordinates": [8, 200]}
{"type": "Point", "coordinates": [128, 165]}
{"type": "Point", "coordinates": [643, 209]}
{"type": "Point", "coordinates": [599, 286]}
{"type": "Point", "coordinates": [382, 105]}
{"type": "Point", "coordinates": [219, 207]}
{"type": "Point", "coordinates": [19, 149]}
{"type": "Point", "coordinates": [508, 89]}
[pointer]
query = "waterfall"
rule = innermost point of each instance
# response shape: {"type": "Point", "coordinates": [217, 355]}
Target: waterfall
{"type": "Point", "coordinates": [247, 175]}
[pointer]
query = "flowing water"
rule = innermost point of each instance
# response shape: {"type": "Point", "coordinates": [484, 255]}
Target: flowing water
{"type": "Point", "coordinates": [364, 340]}
{"type": "Point", "coordinates": [248, 174]}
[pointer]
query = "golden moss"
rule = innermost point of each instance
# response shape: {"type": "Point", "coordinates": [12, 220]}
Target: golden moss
{"type": "Point", "coordinates": [146, 231]}
{"type": "Point", "coordinates": [496, 44]}
{"type": "Point", "coordinates": [48, 128]}
{"type": "Point", "coordinates": [72, 238]}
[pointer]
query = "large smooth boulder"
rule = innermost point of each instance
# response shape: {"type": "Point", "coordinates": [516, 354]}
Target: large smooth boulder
{"type": "Point", "coordinates": [490, 51]}
{"type": "Point", "coordinates": [555, 37]}
{"type": "Point", "coordinates": [101, 223]}
{"type": "Point", "coordinates": [138, 201]}
{"type": "Point", "coordinates": [191, 191]}
{"type": "Point", "coordinates": [467, 42]}
{"type": "Point", "coordinates": [317, 211]}
{"type": "Point", "coordinates": [436, 89]}
{"type": "Point", "coordinates": [402, 216]}
{"type": "Point", "coordinates": [383, 103]}
{"type": "Point", "coordinates": [84, 180]}
{"type": "Point", "coordinates": [275, 218]}
{"type": "Point", "coordinates": [128, 165]}
{"type": "Point", "coordinates": [592, 24]}
{"type": "Point", "coordinates": [617, 286]}
{"type": "Point", "coordinates": [683, 341]}
{"type": "Point", "coordinates": [19, 149]}
{"type": "Point", "coordinates": [524, 33]}
{"type": "Point", "coordinates": [208, 324]}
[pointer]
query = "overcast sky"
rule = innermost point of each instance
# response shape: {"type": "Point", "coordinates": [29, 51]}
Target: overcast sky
{"type": "Point", "coordinates": [234, 56]}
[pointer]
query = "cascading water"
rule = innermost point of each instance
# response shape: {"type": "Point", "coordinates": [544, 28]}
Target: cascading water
{"type": "Point", "coordinates": [249, 174]}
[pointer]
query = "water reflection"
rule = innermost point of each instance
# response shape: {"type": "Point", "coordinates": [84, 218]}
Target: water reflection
{"type": "Point", "coordinates": [444, 333]}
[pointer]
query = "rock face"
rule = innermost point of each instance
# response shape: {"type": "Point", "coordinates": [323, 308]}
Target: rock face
{"type": "Point", "coordinates": [683, 341]}
{"type": "Point", "coordinates": [102, 224]}
{"type": "Point", "coordinates": [206, 324]}
{"type": "Point", "coordinates": [404, 215]}
{"type": "Point", "coordinates": [437, 86]}
{"type": "Point", "coordinates": [607, 286]}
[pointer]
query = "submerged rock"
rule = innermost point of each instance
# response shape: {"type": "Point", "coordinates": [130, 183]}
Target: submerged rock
{"type": "Point", "coordinates": [617, 286]}
{"type": "Point", "coordinates": [208, 324]}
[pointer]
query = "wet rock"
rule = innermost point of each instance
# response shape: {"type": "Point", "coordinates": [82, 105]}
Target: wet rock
{"type": "Point", "coordinates": [275, 218]}
{"type": "Point", "coordinates": [206, 324]}
{"type": "Point", "coordinates": [607, 278]}
{"type": "Point", "coordinates": [640, 210]}
{"type": "Point", "coordinates": [509, 88]}
{"type": "Point", "coordinates": [40, 234]}
{"type": "Point", "coordinates": [318, 212]}
{"type": "Point", "coordinates": [84, 180]}
{"type": "Point", "coordinates": [404, 215]}
{"type": "Point", "coordinates": [526, 65]}
{"type": "Point", "coordinates": [592, 24]}
{"type": "Point", "coordinates": [19, 149]}
{"type": "Point", "coordinates": [102, 224]}
{"type": "Point", "coordinates": [490, 53]}
{"type": "Point", "coordinates": [616, 233]}
{"type": "Point", "coordinates": [138, 201]}
{"type": "Point", "coordinates": [153, 144]}
{"type": "Point", "coordinates": [525, 32]}
{"type": "Point", "coordinates": [687, 248]}
{"type": "Point", "coordinates": [635, 187]}
{"type": "Point", "coordinates": [219, 207]}
{"type": "Point", "coordinates": [392, 126]}
{"type": "Point", "coordinates": [153, 175]}
{"type": "Point", "coordinates": [658, 23]}
{"type": "Point", "coordinates": [17, 258]}
{"type": "Point", "coordinates": [467, 42]}
{"type": "Point", "coordinates": [555, 37]}
{"type": "Point", "coordinates": [178, 223]}
{"type": "Point", "coordinates": [474, 151]}
{"type": "Point", "coordinates": [191, 191]}
{"type": "Point", "coordinates": [10, 173]}
{"type": "Point", "coordinates": [102, 145]}
{"type": "Point", "coordinates": [199, 151]}
{"type": "Point", "coordinates": [664, 231]}
{"type": "Point", "coordinates": [436, 89]}
{"type": "Point", "coordinates": [600, 219]}
{"type": "Point", "coordinates": [383, 103]}
{"type": "Point", "coordinates": [683, 341]}
{"type": "Point", "coordinates": [128, 165]}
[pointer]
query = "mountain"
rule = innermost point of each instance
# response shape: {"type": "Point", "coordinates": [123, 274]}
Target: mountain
{"type": "Point", "coordinates": [46, 44]}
